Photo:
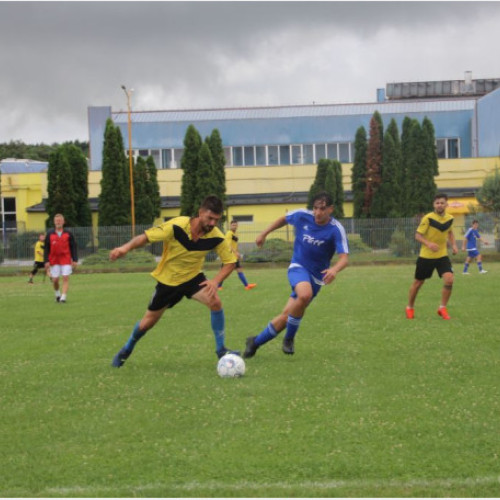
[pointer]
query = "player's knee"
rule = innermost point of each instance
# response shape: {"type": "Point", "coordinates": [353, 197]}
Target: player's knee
{"type": "Point", "coordinates": [215, 304]}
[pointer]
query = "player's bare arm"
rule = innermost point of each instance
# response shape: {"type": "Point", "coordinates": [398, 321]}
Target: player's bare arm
{"type": "Point", "coordinates": [281, 222]}
{"type": "Point", "coordinates": [137, 242]}
{"type": "Point", "coordinates": [451, 239]}
{"type": "Point", "coordinates": [434, 247]}
{"type": "Point", "coordinates": [330, 274]}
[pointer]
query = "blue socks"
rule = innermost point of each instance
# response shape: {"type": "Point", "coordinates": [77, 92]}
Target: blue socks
{"type": "Point", "coordinates": [480, 265]}
{"type": "Point", "coordinates": [217, 322]}
{"type": "Point", "coordinates": [134, 338]}
{"type": "Point", "coordinates": [466, 267]}
{"type": "Point", "coordinates": [266, 335]}
{"type": "Point", "coordinates": [242, 278]}
{"type": "Point", "coordinates": [292, 325]}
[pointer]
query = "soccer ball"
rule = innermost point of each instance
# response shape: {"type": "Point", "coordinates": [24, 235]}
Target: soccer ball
{"type": "Point", "coordinates": [230, 366]}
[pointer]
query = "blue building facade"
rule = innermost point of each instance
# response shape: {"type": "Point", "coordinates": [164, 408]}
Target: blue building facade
{"type": "Point", "coordinates": [466, 122]}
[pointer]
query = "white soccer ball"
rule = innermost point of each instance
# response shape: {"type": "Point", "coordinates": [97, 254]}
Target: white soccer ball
{"type": "Point", "coordinates": [230, 366]}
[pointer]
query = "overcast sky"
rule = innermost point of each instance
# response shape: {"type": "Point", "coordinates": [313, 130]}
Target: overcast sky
{"type": "Point", "coordinates": [58, 58]}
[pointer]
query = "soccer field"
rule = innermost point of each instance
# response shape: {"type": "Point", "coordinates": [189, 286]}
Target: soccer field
{"type": "Point", "coordinates": [371, 404]}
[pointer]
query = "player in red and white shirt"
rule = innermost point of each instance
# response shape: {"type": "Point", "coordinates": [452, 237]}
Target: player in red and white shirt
{"type": "Point", "coordinates": [60, 255]}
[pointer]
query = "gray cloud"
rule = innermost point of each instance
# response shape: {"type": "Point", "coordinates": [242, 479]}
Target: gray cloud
{"type": "Point", "coordinates": [60, 57]}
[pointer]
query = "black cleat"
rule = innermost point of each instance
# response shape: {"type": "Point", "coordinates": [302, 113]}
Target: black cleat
{"type": "Point", "coordinates": [251, 348]}
{"type": "Point", "coordinates": [120, 358]}
{"type": "Point", "coordinates": [224, 350]}
{"type": "Point", "coordinates": [58, 299]}
{"type": "Point", "coordinates": [62, 301]}
{"type": "Point", "coordinates": [288, 346]}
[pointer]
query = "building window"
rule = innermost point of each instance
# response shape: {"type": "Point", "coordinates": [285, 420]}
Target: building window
{"type": "Point", "coordinates": [344, 152]}
{"type": "Point", "coordinates": [9, 221]}
{"type": "Point", "coordinates": [249, 156]}
{"type": "Point", "coordinates": [238, 156]}
{"type": "Point", "coordinates": [227, 155]}
{"type": "Point", "coordinates": [273, 155]}
{"type": "Point", "coordinates": [332, 153]}
{"type": "Point", "coordinates": [320, 152]}
{"type": "Point", "coordinates": [284, 155]}
{"type": "Point", "coordinates": [296, 154]}
{"type": "Point", "coordinates": [245, 219]}
{"type": "Point", "coordinates": [308, 153]}
{"type": "Point", "coordinates": [260, 155]}
{"type": "Point", "coordinates": [177, 158]}
{"type": "Point", "coordinates": [448, 148]}
{"type": "Point", "coordinates": [166, 158]}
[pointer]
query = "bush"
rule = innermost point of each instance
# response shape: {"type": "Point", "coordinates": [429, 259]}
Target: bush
{"type": "Point", "coordinates": [400, 245]}
{"type": "Point", "coordinates": [101, 258]}
{"type": "Point", "coordinates": [274, 250]}
{"type": "Point", "coordinates": [356, 244]}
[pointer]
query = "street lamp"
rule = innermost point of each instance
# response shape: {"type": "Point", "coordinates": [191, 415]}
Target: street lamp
{"type": "Point", "coordinates": [128, 93]}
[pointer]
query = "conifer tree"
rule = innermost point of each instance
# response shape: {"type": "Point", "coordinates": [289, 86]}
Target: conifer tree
{"type": "Point", "coordinates": [386, 201]}
{"type": "Point", "coordinates": [189, 164]}
{"type": "Point", "coordinates": [219, 163]}
{"type": "Point", "coordinates": [319, 181]}
{"type": "Point", "coordinates": [153, 187]}
{"type": "Point", "coordinates": [61, 196]}
{"type": "Point", "coordinates": [358, 172]}
{"type": "Point", "coordinates": [143, 203]}
{"type": "Point", "coordinates": [206, 178]}
{"type": "Point", "coordinates": [114, 199]}
{"type": "Point", "coordinates": [338, 198]}
{"type": "Point", "coordinates": [79, 170]}
{"type": "Point", "coordinates": [373, 175]}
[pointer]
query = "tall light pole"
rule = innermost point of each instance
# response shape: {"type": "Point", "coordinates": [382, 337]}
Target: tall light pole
{"type": "Point", "coordinates": [128, 93]}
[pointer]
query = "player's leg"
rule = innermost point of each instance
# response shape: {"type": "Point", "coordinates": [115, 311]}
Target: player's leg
{"type": "Point", "coordinates": [466, 265]}
{"type": "Point", "coordinates": [217, 317]}
{"type": "Point", "coordinates": [423, 270]}
{"type": "Point", "coordinates": [163, 298]}
{"type": "Point", "coordinates": [66, 272]}
{"type": "Point", "coordinates": [55, 273]}
{"type": "Point", "coordinates": [33, 272]}
{"type": "Point", "coordinates": [446, 274]}
{"type": "Point", "coordinates": [479, 260]}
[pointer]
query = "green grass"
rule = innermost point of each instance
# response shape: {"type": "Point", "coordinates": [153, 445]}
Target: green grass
{"type": "Point", "coordinates": [371, 405]}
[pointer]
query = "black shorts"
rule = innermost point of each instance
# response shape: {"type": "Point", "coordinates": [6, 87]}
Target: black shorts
{"type": "Point", "coordinates": [167, 296]}
{"type": "Point", "coordinates": [425, 267]}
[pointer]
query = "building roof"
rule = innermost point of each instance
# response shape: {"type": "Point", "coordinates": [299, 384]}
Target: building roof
{"type": "Point", "coordinates": [14, 166]}
{"type": "Point", "coordinates": [313, 110]}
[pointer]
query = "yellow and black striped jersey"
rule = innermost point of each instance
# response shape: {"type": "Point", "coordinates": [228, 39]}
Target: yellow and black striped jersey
{"type": "Point", "coordinates": [435, 228]}
{"type": "Point", "coordinates": [182, 258]}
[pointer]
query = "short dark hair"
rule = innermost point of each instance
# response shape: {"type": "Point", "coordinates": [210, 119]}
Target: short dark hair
{"type": "Point", "coordinates": [441, 195]}
{"type": "Point", "coordinates": [212, 203]}
{"type": "Point", "coordinates": [323, 196]}
{"type": "Point", "coordinates": [475, 221]}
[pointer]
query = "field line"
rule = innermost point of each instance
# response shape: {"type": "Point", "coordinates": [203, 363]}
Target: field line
{"type": "Point", "coordinates": [246, 486]}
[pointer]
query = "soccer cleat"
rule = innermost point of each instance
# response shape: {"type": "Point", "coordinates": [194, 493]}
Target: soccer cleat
{"type": "Point", "coordinates": [442, 311]}
{"type": "Point", "coordinates": [410, 313]}
{"type": "Point", "coordinates": [465, 272]}
{"type": "Point", "coordinates": [224, 350]}
{"type": "Point", "coordinates": [120, 358]}
{"type": "Point", "coordinates": [219, 288]}
{"type": "Point", "coordinates": [288, 346]}
{"type": "Point", "coordinates": [483, 271]}
{"type": "Point", "coordinates": [30, 281]}
{"type": "Point", "coordinates": [62, 301]}
{"type": "Point", "coordinates": [251, 348]}
{"type": "Point", "coordinates": [58, 299]}
{"type": "Point", "coordinates": [250, 286]}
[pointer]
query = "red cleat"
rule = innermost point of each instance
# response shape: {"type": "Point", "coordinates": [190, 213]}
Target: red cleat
{"type": "Point", "coordinates": [250, 286]}
{"type": "Point", "coordinates": [442, 311]}
{"type": "Point", "coordinates": [410, 313]}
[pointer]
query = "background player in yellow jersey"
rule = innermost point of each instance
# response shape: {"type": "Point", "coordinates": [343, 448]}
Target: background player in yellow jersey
{"type": "Point", "coordinates": [232, 239]}
{"type": "Point", "coordinates": [434, 233]}
{"type": "Point", "coordinates": [186, 241]}
{"type": "Point", "coordinates": [39, 262]}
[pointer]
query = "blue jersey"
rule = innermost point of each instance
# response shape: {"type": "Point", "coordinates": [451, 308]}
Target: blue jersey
{"type": "Point", "coordinates": [471, 236]}
{"type": "Point", "coordinates": [315, 244]}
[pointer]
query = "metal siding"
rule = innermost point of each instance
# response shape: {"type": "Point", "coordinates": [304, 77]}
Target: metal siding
{"type": "Point", "coordinates": [488, 110]}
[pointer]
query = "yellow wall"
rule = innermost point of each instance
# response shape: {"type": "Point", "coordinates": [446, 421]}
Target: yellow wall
{"type": "Point", "coordinates": [29, 189]}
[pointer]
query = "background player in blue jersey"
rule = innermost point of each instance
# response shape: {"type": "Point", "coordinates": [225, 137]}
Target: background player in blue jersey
{"type": "Point", "coordinates": [470, 240]}
{"type": "Point", "coordinates": [318, 236]}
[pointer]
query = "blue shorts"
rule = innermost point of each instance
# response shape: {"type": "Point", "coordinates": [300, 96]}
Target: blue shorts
{"type": "Point", "coordinates": [297, 274]}
{"type": "Point", "coordinates": [472, 253]}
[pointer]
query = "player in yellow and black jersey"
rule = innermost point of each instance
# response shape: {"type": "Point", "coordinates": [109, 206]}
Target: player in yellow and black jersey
{"type": "Point", "coordinates": [186, 242]}
{"type": "Point", "coordinates": [232, 239]}
{"type": "Point", "coordinates": [434, 233]}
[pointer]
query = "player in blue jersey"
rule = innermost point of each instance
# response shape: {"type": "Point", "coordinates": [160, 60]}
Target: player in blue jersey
{"type": "Point", "coordinates": [318, 236]}
{"type": "Point", "coordinates": [470, 240]}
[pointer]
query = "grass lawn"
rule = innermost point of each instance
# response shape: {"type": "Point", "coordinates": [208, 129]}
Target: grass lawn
{"type": "Point", "coordinates": [371, 404]}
